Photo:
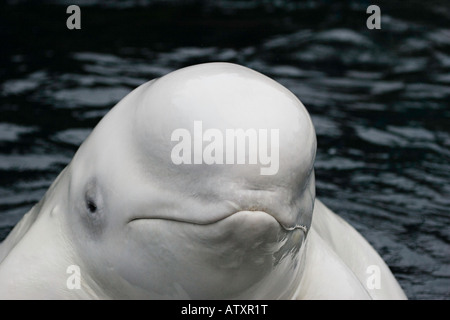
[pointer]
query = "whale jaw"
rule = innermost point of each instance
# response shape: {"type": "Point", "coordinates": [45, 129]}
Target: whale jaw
{"type": "Point", "coordinates": [246, 254]}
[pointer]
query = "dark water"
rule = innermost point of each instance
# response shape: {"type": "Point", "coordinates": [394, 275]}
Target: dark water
{"type": "Point", "coordinates": [379, 100]}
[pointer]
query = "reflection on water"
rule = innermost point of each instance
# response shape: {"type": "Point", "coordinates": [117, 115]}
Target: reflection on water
{"type": "Point", "coordinates": [379, 100]}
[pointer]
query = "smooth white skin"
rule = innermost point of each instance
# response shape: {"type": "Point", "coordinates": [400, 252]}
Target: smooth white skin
{"type": "Point", "coordinates": [163, 231]}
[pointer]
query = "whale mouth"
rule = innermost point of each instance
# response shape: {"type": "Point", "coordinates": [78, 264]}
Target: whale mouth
{"type": "Point", "coordinates": [207, 223]}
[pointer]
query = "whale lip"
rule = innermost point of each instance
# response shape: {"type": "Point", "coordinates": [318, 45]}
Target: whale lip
{"type": "Point", "coordinates": [206, 223]}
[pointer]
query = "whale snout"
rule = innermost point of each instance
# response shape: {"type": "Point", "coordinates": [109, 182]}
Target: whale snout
{"type": "Point", "coordinates": [245, 239]}
{"type": "Point", "coordinates": [235, 253]}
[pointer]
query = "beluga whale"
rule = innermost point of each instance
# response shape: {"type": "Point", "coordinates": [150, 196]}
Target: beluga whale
{"type": "Point", "coordinates": [196, 185]}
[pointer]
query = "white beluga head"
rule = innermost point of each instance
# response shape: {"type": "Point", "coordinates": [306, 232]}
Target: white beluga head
{"type": "Point", "coordinates": [199, 184]}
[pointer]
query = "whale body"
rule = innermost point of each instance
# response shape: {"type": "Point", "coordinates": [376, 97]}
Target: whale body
{"type": "Point", "coordinates": [152, 207]}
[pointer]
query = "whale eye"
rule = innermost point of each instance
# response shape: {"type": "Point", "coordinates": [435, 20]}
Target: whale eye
{"type": "Point", "coordinates": [91, 206]}
{"type": "Point", "coordinates": [92, 198]}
